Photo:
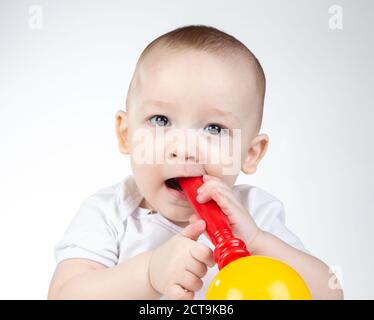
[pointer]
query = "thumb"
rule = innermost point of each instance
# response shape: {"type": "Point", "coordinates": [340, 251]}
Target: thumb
{"type": "Point", "coordinates": [193, 218]}
{"type": "Point", "coordinates": [194, 230]}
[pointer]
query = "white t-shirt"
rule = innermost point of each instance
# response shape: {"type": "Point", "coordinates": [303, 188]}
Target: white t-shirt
{"type": "Point", "coordinates": [110, 227]}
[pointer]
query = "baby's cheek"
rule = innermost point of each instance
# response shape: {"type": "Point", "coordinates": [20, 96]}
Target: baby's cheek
{"type": "Point", "coordinates": [223, 161]}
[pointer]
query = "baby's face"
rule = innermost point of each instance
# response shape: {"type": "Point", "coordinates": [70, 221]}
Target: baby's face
{"type": "Point", "coordinates": [176, 92]}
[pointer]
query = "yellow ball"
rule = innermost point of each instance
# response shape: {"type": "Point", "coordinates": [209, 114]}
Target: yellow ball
{"type": "Point", "coordinates": [258, 278]}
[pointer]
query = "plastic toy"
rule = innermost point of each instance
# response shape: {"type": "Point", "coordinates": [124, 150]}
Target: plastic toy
{"type": "Point", "coordinates": [241, 276]}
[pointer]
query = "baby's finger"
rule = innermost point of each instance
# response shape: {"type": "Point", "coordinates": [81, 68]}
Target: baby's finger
{"type": "Point", "coordinates": [194, 230]}
{"type": "Point", "coordinates": [193, 218]}
{"type": "Point", "coordinates": [209, 191]}
{"type": "Point", "coordinates": [209, 184]}
{"type": "Point", "coordinates": [203, 254]}
{"type": "Point", "coordinates": [196, 267]}
{"type": "Point", "coordinates": [220, 186]}
{"type": "Point", "coordinates": [190, 281]}
{"type": "Point", "coordinates": [224, 198]}
{"type": "Point", "coordinates": [226, 205]}
{"type": "Point", "coordinates": [176, 292]}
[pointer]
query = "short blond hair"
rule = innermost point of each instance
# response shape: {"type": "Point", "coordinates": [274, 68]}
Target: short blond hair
{"type": "Point", "coordinates": [209, 39]}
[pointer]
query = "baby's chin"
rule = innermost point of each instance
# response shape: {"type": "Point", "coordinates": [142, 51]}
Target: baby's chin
{"type": "Point", "coordinates": [181, 224]}
{"type": "Point", "coordinates": [180, 217]}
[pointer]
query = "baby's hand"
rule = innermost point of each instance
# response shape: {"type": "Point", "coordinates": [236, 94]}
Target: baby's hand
{"type": "Point", "coordinates": [242, 223]}
{"type": "Point", "coordinates": [177, 266]}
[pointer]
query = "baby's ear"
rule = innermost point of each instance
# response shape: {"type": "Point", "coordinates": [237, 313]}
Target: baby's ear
{"type": "Point", "coordinates": [122, 132]}
{"type": "Point", "coordinates": [255, 153]}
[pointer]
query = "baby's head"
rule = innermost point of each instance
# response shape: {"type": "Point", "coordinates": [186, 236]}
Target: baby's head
{"type": "Point", "coordinates": [199, 80]}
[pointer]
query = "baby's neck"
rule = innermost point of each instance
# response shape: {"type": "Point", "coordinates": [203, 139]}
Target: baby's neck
{"type": "Point", "coordinates": [144, 204]}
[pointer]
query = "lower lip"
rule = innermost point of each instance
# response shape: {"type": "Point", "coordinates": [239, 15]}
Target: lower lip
{"type": "Point", "coordinates": [176, 194]}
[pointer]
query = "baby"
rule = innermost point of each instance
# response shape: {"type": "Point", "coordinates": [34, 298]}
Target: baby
{"type": "Point", "coordinates": [140, 239]}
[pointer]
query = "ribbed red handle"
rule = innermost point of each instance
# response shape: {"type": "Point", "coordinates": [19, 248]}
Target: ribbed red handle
{"type": "Point", "coordinates": [227, 247]}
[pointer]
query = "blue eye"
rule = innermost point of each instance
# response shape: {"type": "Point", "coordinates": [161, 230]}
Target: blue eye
{"type": "Point", "coordinates": [159, 120]}
{"type": "Point", "coordinates": [214, 129]}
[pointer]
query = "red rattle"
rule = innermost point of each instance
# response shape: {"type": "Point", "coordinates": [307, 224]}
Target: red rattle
{"type": "Point", "coordinates": [241, 275]}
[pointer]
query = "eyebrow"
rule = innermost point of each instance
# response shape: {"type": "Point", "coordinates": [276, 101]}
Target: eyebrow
{"type": "Point", "coordinates": [158, 103]}
{"type": "Point", "coordinates": [211, 110]}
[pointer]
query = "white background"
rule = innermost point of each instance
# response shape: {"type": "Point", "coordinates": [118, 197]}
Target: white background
{"type": "Point", "coordinates": [61, 85]}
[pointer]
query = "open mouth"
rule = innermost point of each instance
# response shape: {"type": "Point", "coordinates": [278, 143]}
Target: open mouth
{"type": "Point", "coordinates": [172, 183]}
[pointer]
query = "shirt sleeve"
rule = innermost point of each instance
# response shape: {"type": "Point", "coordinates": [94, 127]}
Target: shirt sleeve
{"type": "Point", "coordinates": [90, 235]}
{"type": "Point", "coordinates": [273, 221]}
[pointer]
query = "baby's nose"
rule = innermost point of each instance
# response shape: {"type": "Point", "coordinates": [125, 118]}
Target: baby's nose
{"type": "Point", "coordinates": [182, 146]}
{"type": "Point", "coordinates": [186, 158]}
{"type": "Point", "coordinates": [182, 153]}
